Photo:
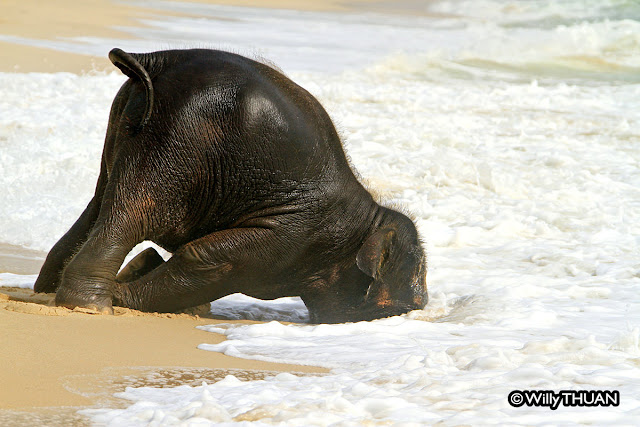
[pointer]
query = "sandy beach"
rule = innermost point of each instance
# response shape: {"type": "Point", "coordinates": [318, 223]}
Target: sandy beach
{"type": "Point", "coordinates": [56, 20]}
{"type": "Point", "coordinates": [55, 357]}
{"type": "Point", "coordinates": [72, 344]}
{"type": "Point", "coordinates": [62, 19]}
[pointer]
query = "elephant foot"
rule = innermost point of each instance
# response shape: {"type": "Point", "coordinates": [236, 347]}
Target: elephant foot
{"type": "Point", "coordinates": [45, 284]}
{"type": "Point", "coordinates": [48, 280]}
{"type": "Point", "coordinates": [96, 297]}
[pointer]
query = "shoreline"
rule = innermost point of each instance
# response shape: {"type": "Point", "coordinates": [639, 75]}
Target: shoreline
{"type": "Point", "coordinates": [28, 23]}
{"type": "Point", "coordinates": [59, 357]}
{"type": "Point", "coordinates": [18, 260]}
{"type": "Point", "coordinates": [57, 20]}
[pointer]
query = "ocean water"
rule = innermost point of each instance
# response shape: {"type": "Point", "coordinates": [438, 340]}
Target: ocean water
{"type": "Point", "coordinates": [509, 129]}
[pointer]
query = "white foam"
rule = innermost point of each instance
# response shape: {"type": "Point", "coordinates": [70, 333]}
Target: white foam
{"type": "Point", "coordinates": [52, 129]}
{"type": "Point", "coordinates": [18, 280]}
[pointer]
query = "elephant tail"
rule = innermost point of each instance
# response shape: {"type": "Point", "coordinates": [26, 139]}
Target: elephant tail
{"type": "Point", "coordinates": [129, 64]}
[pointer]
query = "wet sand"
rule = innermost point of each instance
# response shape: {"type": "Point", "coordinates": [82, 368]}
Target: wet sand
{"type": "Point", "coordinates": [25, 59]}
{"type": "Point", "coordinates": [18, 260]}
{"type": "Point", "coordinates": [55, 357]}
{"type": "Point", "coordinates": [54, 20]}
{"type": "Point", "coordinates": [51, 20]}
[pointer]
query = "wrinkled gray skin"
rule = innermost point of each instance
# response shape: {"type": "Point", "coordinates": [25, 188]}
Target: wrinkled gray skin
{"type": "Point", "coordinates": [240, 173]}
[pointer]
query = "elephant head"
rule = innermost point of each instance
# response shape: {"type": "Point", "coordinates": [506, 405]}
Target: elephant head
{"type": "Point", "coordinates": [386, 278]}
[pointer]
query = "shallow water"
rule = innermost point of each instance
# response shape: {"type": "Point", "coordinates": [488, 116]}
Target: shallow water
{"type": "Point", "coordinates": [101, 389]}
{"type": "Point", "coordinates": [18, 260]}
{"type": "Point", "coordinates": [510, 130]}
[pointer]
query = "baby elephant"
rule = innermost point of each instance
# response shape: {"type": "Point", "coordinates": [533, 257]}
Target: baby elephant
{"type": "Point", "coordinates": [239, 172]}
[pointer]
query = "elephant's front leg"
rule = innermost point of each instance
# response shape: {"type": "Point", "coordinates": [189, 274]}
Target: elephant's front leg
{"type": "Point", "coordinates": [89, 278]}
{"type": "Point", "coordinates": [237, 260]}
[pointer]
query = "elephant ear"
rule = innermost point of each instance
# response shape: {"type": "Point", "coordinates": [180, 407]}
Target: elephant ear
{"type": "Point", "coordinates": [131, 67]}
{"type": "Point", "coordinates": [375, 251]}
